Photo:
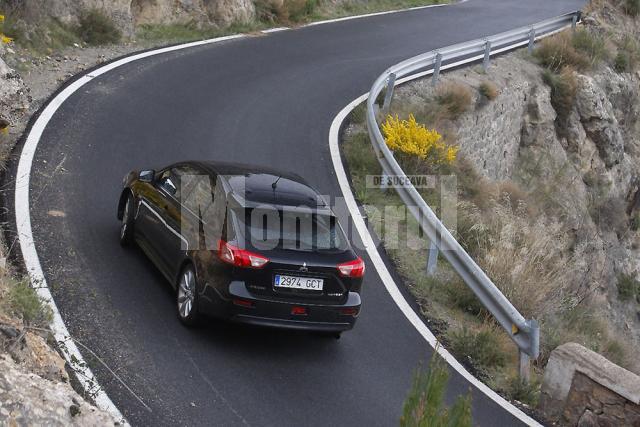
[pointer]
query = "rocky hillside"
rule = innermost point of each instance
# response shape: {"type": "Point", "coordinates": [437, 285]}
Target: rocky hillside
{"type": "Point", "coordinates": [128, 14]}
{"type": "Point", "coordinates": [554, 141]}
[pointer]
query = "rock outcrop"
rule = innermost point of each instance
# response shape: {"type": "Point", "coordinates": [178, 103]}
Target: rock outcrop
{"type": "Point", "coordinates": [28, 399]}
{"type": "Point", "coordinates": [128, 14]}
{"type": "Point", "coordinates": [14, 96]}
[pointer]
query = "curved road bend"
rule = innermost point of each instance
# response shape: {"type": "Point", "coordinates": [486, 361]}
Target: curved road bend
{"type": "Point", "coordinates": [266, 100]}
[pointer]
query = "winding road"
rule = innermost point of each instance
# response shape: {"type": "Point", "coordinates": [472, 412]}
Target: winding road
{"type": "Point", "coordinates": [267, 100]}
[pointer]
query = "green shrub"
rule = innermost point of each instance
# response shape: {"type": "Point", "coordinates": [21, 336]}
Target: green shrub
{"type": "Point", "coordinates": [628, 55]}
{"type": "Point", "coordinates": [360, 155]}
{"type": "Point", "coordinates": [628, 287]}
{"type": "Point", "coordinates": [621, 63]}
{"type": "Point", "coordinates": [522, 391]}
{"type": "Point", "coordinates": [462, 297]}
{"type": "Point", "coordinates": [299, 10]}
{"type": "Point", "coordinates": [359, 114]}
{"type": "Point", "coordinates": [96, 28]}
{"type": "Point", "coordinates": [455, 98]}
{"type": "Point", "coordinates": [285, 12]}
{"type": "Point", "coordinates": [424, 407]}
{"type": "Point", "coordinates": [481, 349]}
{"type": "Point", "coordinates": [25, 302]}
{"type": "Point", "coordinates": [635, 221]}
{"type": "Point", "coordinates": [591, 44]}
{"type": "Point", "coordinates": [563, 92]}
{"type": "Point", "coordinates": [631, 7]}
{"type": "Point", "coordinates": [615, 351]}
{"type": "Point", "coordinates": [48, 35]}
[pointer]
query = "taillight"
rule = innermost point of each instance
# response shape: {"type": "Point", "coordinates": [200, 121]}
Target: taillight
{"type": "Point", "coordinates": [354, 269]}
{"type": "Point", "coordinates": [240, 257]}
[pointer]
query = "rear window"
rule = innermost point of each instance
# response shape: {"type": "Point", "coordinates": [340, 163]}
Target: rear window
{"type": "Point", "coordinates": [298, 230]}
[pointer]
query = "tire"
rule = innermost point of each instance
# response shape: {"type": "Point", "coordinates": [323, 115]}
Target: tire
{"type": "Point", "coordinates": [128, 222]}
{"type": "Point", "coordinates": [187, 296]}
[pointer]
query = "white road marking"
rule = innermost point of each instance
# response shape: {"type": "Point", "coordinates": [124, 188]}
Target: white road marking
{"type": "Point", "coordinates": [275, 30]}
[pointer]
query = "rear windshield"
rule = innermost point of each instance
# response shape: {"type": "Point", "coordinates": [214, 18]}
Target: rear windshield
{"type": "Point", "coordinates": [293, 230]}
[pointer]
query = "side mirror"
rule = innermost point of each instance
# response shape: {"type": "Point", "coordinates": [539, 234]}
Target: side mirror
{"type": "Point", "coordinates": [147, 176]}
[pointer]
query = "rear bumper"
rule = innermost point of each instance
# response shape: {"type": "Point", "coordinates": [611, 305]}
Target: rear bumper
{"type": "Point", "coordinates": [278, 314]}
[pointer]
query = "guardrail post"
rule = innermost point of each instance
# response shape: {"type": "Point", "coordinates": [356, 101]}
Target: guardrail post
{"type": "Point", "coordinates": [534, 350]}
{"type": "Point", "coordinates": [532, 39]}
{"type": "Point", "coordinates": [436, 69]}
{"type": "Point", "coordinates": [487, 55]}
{"type": "Point", "coordinates": [524, 367]}
{"type": "Point", "coordinates": [389, 94]}
{"type": "Point", "coordinates": [574, 22]}
{"type": "Point", "coordinates": [432, 259]}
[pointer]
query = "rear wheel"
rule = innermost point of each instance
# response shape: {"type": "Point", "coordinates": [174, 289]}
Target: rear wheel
{"type": "Point", "coordinates": [187, 297]}
{"type": "Point", "coordinates": [126, 229]}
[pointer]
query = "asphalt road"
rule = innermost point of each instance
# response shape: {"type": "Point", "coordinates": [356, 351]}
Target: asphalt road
{"type": "Point", "coordinates": [266, 100]}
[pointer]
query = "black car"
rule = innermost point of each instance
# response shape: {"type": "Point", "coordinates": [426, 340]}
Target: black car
{"type": "Point", "coordinates": [244, 243]}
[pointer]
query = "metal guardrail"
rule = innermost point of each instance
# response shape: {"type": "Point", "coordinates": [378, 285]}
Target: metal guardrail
{"type": "Point", "coordinates": [525, 333]}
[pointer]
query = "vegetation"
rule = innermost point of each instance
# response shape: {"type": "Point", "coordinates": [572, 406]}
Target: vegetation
{"type": "Point", "coordinates": [424, 407]}
{"type": "Point", "coordinates": [480, 348]}
{"type": "Point", "coordinates": [359, 114]}
{"type": "Point", "coordinates": [580, 49]}
{"type": "Point", "coordinates": [631, 7]}
{"type": "Point", "coordinates": [25, 302]}
{"type": "Point", "coordinates": [413, 140]}
{"type": "Point", "coordinates": [563, 92]}
{"type": "Point", "coordinates": [628, 56]}
{"type": "Point", "coordinates": [488, 90]}
{"type": "Point", "coordinates": [524, 392]}
{"type": "Point", "coordinates": [628, 288]}
{"type": "Point", "coordinates": [455, 97]}
{"type": "Point", "coordinates": [42, 38]}
{"type": "Point", "coordinates": [3, 38]}
{"type": "Point", "coordinates": [174, 33]}
{"type": "Point", "coordinates": [95, 28]}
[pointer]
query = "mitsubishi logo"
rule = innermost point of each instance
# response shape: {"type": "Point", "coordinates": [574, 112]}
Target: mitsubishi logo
{"type": "Point", "coordinates": [304, 268]}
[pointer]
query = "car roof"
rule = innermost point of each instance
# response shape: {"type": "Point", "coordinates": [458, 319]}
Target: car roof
{"type": "Point", "coordinates": [253, 185]}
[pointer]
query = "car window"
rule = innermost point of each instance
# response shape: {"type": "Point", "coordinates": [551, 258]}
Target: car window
{"type": "Point", "coordinates": [293, 230]}
{"type": "Point", "coordinates": [171, 180]}
{"type": "Point", "coordinates": [169, 183]}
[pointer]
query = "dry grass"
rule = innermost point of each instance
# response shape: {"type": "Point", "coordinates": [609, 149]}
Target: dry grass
{"type": "Point", "coordinates": [488, 90]}
{"type": "Point", "coordinates": [525, 258]}
{"type": "Point", "coordinates": [456, 99]}
{"type": "Point", "coordinates": [558, 52]}
{"type": "Point", "coordinates": [580, 50]}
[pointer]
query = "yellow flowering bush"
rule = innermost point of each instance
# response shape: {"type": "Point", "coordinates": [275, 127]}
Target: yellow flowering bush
{"type": "Point", "coordinates": [3, 38]}
{"type": "Point", "coordinates": [416, 140]}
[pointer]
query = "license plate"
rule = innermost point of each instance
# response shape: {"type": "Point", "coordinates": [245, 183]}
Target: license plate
{"type": "Point", "coordinates": [293, 282]}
